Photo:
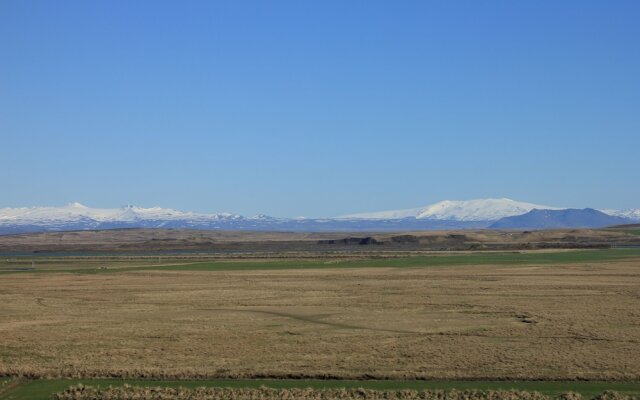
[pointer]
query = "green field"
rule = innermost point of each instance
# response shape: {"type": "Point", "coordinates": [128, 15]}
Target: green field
{"type": "Point", "coordinates": [440, 260]}
{"type": "Point", "coordinates": [436, 260]}
{"type": "Point", "coordinates": [631, 231]}
{"type": "Point", "coordinates": [634, 231]}
{"type": "Point", "coordinates": [44, 389]}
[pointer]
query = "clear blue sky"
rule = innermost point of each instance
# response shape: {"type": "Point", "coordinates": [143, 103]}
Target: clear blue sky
{"type": "Point", "coordinates": [318, 108]}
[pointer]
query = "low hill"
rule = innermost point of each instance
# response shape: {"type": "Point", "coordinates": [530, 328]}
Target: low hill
{"type": "Point", "coordinates": [569, 218]}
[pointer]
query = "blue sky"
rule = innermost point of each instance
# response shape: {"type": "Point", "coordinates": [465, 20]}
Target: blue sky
{"type": "Point", "coordinates": [318, 108]}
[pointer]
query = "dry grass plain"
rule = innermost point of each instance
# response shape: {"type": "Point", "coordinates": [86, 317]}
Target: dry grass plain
{"type": "Point", "coordinates": [552, 321]}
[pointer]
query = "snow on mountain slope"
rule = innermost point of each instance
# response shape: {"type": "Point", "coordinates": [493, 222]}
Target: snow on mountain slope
{"type": "Point", "coordinates": [468, 210]}
{"type": "Point", "coordinates": [478, 210]}
{"type": "Point", "coordinates": [75, 212]}
{"type": "Point", "coordinates": [633, 214]}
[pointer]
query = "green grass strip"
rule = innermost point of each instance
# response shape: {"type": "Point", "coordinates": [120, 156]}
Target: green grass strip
{"type": "Point", "coordinates": [631, 231]}
{"type": "Point", "coordinates": [44, 389]}
{"type": "Point", "coordinates": [439, 260]}
{"type": "Point", "coordinates": [422, 261]}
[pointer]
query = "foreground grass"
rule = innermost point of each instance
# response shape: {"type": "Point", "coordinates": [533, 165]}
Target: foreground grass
{"type": "Point", "coordinates": [436, 260]}
{"type": "Point", "coordinates": [44, 389]}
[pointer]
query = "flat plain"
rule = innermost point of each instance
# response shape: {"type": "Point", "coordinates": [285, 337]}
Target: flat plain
{"type": "Point", "coordinates": [526, 317]}
{"type": "Point", "coordinates": [294, 311]}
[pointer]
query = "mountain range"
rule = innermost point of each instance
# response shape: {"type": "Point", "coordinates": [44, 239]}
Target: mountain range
{"type": "Point", "coordinates": [470, 214]}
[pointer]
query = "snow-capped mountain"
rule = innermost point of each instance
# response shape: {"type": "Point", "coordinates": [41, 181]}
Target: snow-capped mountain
{"type": "Point", "coordinates": [630, 213]}
{"type": "Point", "coordinates": [467, 210]}
{"type": "Point", "coordinates": [75, 216]}
{"type": "Point", "coordinates": [78, 212]}
{"type": "Point", "coordinates": [469, 214]}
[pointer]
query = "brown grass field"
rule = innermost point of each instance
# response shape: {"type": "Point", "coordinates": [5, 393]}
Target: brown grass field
{"type": "Point", "coordinates": [577, 320]}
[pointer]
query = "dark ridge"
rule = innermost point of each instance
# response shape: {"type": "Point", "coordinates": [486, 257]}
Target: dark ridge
{"type": "Point", "coordinates": [552, 219]}
{"type": "Point", "coordinates": [625, 226]}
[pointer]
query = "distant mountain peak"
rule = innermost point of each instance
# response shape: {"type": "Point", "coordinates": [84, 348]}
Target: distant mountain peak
{"type": "Point", "coordinates": [567, 218]}
{"type": "Point", "coordinates": [77, 205]}
{"type": "Point", "coordinates": [458, 210]}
